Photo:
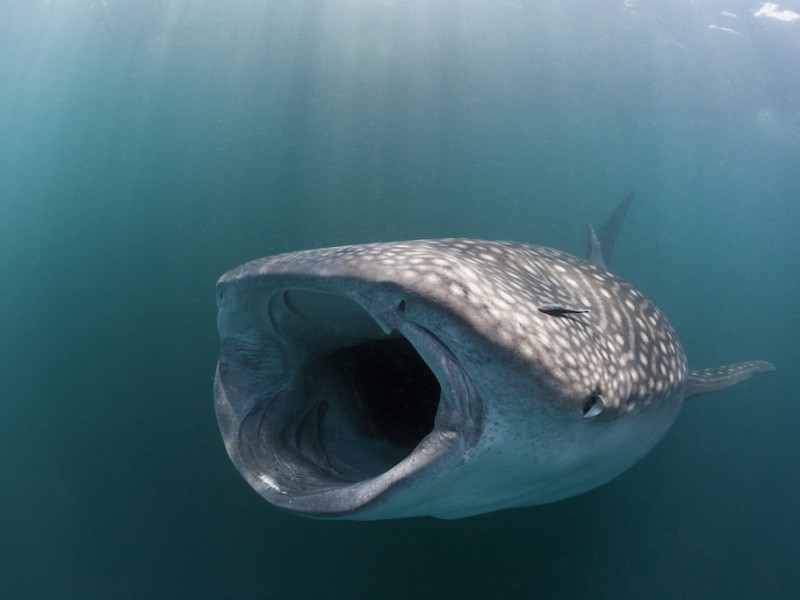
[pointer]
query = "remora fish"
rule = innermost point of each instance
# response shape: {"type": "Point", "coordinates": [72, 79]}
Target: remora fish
{"type": "Point", "coordinates": [446, 377]}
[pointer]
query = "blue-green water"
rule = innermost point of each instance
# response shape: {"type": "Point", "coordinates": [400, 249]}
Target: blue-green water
{"type": "Point", "coordinates": [146, 147]}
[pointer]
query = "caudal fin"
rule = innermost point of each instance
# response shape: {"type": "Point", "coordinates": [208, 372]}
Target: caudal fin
{"type": "Point", "coordinates": [602, 246]}
{"type": "Point", "coordinates": [706, 381]}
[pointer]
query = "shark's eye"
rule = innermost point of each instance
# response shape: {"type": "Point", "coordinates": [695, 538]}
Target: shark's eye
{"type": "Point", "coordinates": [402, 306]}
{"type": "Point", "coordinates": [593, 406]}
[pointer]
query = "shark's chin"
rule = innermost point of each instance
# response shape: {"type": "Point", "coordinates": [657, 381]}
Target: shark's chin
{"type": "Point", "coordinates": [329, 411]}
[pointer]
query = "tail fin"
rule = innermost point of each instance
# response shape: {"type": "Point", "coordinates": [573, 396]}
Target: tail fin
{"type": "Point", "coordinates": [602, 246]}
{"type": "Point", "coordinates": [706, 381]}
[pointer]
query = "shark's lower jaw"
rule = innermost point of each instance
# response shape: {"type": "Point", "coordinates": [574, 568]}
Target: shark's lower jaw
{"type": "Point", "coordinates": [326, 414]}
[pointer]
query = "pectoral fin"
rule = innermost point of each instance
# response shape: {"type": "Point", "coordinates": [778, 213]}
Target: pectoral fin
{"type": "Point", "coordinates": [706, 381]}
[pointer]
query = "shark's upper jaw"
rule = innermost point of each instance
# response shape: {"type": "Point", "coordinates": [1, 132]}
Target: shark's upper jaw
{"type": "Point", "coordinates": [326, 407]}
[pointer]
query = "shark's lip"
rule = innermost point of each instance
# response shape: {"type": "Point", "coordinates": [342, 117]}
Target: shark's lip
{"type": "Point", "coordinates": [308, 441]}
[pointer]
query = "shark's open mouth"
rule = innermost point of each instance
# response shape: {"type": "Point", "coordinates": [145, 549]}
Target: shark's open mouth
{"type": "Point", "coordinates": [322, 410]}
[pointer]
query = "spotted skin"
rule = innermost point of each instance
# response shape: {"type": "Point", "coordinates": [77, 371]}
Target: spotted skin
{"type": "Point", "coordinates": [623, 346]}
{"type": "Point", "coordinates": [599, 352]}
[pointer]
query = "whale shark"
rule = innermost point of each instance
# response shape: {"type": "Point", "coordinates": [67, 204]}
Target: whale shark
{"type": "Point", "coordinates": [444, 377]}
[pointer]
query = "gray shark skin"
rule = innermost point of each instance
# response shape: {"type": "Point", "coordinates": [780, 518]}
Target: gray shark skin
{"type": "Point", "coordinates": [446, 377]}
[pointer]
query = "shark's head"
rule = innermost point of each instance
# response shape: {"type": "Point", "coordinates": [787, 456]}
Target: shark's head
{"type": "Point", "coordinates": [442, 377]}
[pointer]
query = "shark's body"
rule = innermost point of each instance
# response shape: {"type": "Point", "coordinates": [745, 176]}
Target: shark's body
{"type": "Point", "coordinates": [442, 377]}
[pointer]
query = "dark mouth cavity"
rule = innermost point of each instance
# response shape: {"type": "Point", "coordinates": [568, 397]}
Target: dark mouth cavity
{"type": "Point", "coordinates": [398, 392]}
{"type": "Point", "coordinates": [342, 400]}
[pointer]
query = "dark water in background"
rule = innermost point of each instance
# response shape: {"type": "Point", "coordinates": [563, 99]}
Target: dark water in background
{"type": "Point", "coordinates": [146, 147]}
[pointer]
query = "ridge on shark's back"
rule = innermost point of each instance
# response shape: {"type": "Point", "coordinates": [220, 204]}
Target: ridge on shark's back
{"type": "Point", "coordinates": [446, 377]}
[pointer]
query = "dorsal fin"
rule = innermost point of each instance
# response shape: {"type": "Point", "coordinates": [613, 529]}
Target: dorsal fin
{"type": "Point", "coordinates": [601, 246]}
{"type": "Point", "coordinates": [595, 249]}
{"type": "Point", "coordinates": [706, 381]}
